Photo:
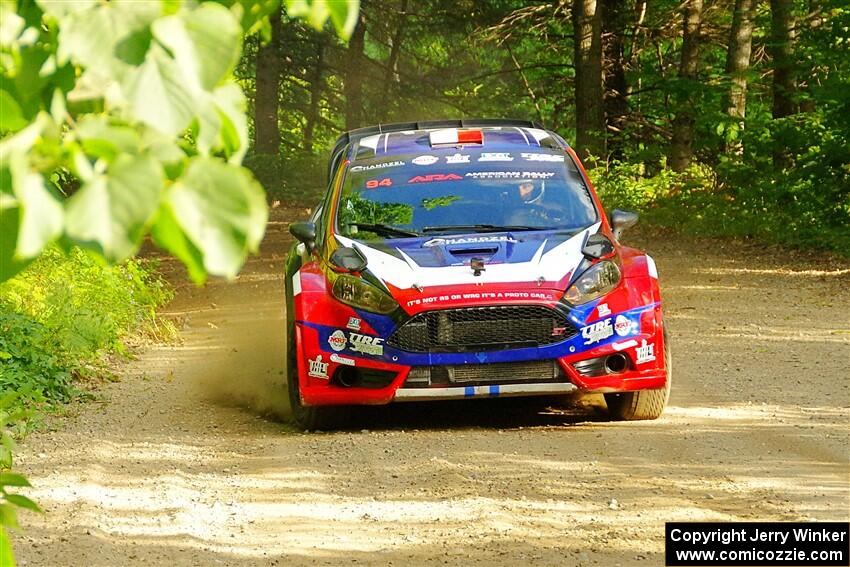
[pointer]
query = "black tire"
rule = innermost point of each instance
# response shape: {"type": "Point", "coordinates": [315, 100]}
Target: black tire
{"type": "Point", "coordinates": [308, 417]}
{"type": "Point", "coordinates": [643, 404]}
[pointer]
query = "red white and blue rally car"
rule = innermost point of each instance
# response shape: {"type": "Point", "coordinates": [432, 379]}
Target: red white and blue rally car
{"type": "Point", "coordinates": [467, 259]}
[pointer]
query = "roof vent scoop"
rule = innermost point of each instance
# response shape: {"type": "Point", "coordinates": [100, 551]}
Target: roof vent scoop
{"type": "Point", "coordinates": [455, 137]}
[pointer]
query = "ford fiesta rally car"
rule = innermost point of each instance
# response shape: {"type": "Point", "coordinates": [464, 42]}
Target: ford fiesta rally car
{"type": "Point", "coordinates": [467, 259]}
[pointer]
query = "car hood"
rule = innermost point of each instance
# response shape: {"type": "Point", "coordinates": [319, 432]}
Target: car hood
{"type": "Point", "coordinates": [539, 259]}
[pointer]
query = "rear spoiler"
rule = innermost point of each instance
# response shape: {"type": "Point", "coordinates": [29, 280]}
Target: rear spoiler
{"type": "Point", "coordinates": [354, 135]}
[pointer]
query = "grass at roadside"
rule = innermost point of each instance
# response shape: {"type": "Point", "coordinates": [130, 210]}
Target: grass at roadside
{"type": "Point", "coordinates": [59, 321]}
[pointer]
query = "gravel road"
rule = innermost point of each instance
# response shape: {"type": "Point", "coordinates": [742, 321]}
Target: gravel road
{"type": "Point", "coordinates": [185, 460]}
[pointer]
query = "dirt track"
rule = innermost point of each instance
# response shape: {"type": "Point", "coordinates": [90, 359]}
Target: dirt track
{"type": "Point", "coordinates": [182, 466]}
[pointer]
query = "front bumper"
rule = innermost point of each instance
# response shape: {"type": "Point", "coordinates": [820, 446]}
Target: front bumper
{"type": "Point", "coordinates": [331, 349]}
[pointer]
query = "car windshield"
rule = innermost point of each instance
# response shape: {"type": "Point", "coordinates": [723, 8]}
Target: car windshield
{"type": "Point", "coordinates": [461, 191]}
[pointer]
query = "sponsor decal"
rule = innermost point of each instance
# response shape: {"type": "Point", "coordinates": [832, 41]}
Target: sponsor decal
{"type": "Point", "coordinates": [645, 352]}
{"type": "Point", "coordinates": [468, 240]}
{"type": "Point", "coordinates": [542, 157]}
{"type": "Point", "coordinates": [598, 331]}
{"type": "Point", "coordinates": [623, 346]}
{"type": "Point", "coordinates": [457, 158]}
{"type": "Point", "coordinates": [374, 183]}
{"type": "Point", "coordinates": [495, 156]}
{"type": "Point", "coordinates": [342, 360]}
{"type": "Point", "coordinates": [482, 295]}
{"type": "Point", "coordinates": [425, 160]}
{"type": "Point", "coordinates": [366, 344]}
{"type": "Point", "coordinates": [602, 309]}
{"type": "Point", "coordinates": [623, 326]}
{"type": "Point", "coordinates": [354, 323]}
{"type": "Point", "coordinates": [318, 369]}
{"type": "Point", "coordinates": [435, 177]}
{"type": "Point", "coordinates": [510, 174]}
{"type": "Point", "coordinates": [356, 168]}
{"type": "Point", "coordinates": [337, 340]}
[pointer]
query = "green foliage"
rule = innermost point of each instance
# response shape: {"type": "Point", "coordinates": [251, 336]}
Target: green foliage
{"type": "Point", "coordinates": [137, 102]}
{"type": "Point", "coordinates": [10, 412]}
{"type": "Point", "coordinates": [61, 315]}
{"type": "Point", "coordinates": [702, 201]}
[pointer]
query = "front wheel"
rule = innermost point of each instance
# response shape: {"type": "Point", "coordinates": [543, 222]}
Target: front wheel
{"type": "Point", "coordinates": [643, 404]}
{"type": "Point", "coordinates": [307, 417]}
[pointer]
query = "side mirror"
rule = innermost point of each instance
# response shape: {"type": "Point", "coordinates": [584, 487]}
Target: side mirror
{"type": "Point", "coordinates": [305, 231]}
{"type": "Point", "coordinates": [597, 246]}
{"type": "Point", "coordinates": [621, 220]}
{"type": "Point", "coordinates": [349, 259]}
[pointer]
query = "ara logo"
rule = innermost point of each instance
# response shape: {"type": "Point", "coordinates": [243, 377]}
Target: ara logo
{"type": "Point", "coordinates": [435, 177]}
{"type": "Point", "coordinates": [602, 309]}
{"type": "Point", "coordinates": [598, 331]}
{"type": "Point", "coordinates": [645, 352]}
{"type": "Point", "coordinates": [366, 344]}
{"type": "Point", "coordinates": [457, 158]}
{"type": "Point", "coordinates": [318, 369]}
{"type": "Point", "coordinates": [425, 160]}
{"type": "Point", "coordinates": [623, 325]}
{"type": "Point", "coordinates": [337, 340]}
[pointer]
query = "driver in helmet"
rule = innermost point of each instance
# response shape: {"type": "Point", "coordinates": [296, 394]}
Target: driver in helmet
{"type": "Point", "coordinates": [531, 194]}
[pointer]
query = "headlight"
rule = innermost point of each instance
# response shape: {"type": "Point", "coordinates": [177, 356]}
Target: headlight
{"type": "Point", "coordinates": [358, 293]}
{"type": "Point", "coordinates": [596, 281]}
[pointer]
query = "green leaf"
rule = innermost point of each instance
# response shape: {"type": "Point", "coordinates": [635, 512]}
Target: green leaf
{"type": "Point", "coordinates": [101, 139]}
{"type": "Point", "coordinates": [252, 13]}
{"type": "Point", "coordinates": [167, 234]}
{"type": "Point", "coordinates": [22, 501]}
{"type": "Point", "coordinates": [205, 43]}
{"type": "Point", "coordinates": [13, 479]}
{"type": "Point", "coordinates": [344, 16]}
{"type": "Point", "coordinates": [11, 26]}
{"type": "Point", "coordinates": [10, 214]}
{"type": "Point", "coordinates": [222, 210]}
{"type": "Point", "coordinates": [314, 11]}
{"type": "Point", "coordinates": [7, 558]}
{"type": "Point", "coordinates": [110, 212]}
{"type": "Point", "coordinates": [8, 517]}
{"type": "Point", "coordinates": [106, 37]}
{"type": "Point", "coordinates": [41, 215]}
{"type": "Point", "coordinates": [158, 93]}
{"type": "Point", "coordinates": [343, 13]}
{"type": "Point", "coordinates": [222, 123]}
{"type": "Point", "coordinates": [11, 117]}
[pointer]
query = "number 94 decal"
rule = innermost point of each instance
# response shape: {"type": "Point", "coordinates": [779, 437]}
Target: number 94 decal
{"type": "Point", "coordinates": [374, 183]}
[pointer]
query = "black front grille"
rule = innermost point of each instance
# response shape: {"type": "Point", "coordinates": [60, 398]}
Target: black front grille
{"type": "Point", "coordinates": [482, 329]}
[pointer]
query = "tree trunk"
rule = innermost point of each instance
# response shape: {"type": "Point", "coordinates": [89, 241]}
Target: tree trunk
{"type": "Point", "coordinates": [316, 84]}
{"type": "Point", "coordinates": [590, 115]}
{"type": "Point", "coordinates": [681, 146]}
{"type": "Point", "coordinates": [616, 104]}
{"type": "Point", "coordinates": [737, 65]}
{"type": "Point", "coordinates": [391, 75]}
{"type": "Point", "coordinates": [268, 68]}
{"type": "Point", "coordinates": [783, 34]}
{"type": "Point", "coordinates": [353, 82]}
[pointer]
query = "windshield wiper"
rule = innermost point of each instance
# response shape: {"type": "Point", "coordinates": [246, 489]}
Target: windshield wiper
{"type": "Point", "coordinates": [483, 227]}
{"type": "Point", "coordinates": [384, 229]}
